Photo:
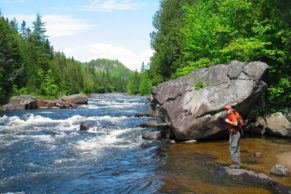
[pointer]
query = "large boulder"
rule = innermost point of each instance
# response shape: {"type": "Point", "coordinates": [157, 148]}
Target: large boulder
{"type": "Point", "coordinates": [277, 124]}
{"type": "Point", "coordinates": [21, 102]}
{"type": "Point", "coordinates": [44, 104]}
{"type": "Point", "coordinates": [193, 105]}
{"type": "Point", "coordinates": [75, 99]}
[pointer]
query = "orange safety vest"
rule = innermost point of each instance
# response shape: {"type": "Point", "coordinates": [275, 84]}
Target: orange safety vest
{"type": "Point", "coordinates": [233, 118]}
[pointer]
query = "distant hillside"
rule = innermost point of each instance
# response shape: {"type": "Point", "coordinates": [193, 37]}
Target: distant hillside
{"type": "Point", "coordinates": [110, 75]}
{"type": "Point", "coordinates": [107, 64]}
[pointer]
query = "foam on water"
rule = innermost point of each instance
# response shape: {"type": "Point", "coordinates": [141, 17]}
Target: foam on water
{"type": "Point", "coordinates": [71, 123]}
{"type": "Point", "coordinates": [114, 139]}
{"type": "Point", "coordinates": [118, 103]}
{"type": "Point", "coordinates": [37, 138]}
{"type": "Point", "coordinates": [54, 152]}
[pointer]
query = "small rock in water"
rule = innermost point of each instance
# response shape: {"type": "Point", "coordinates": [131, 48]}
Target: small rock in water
{"type": "Point", "coordinates": [145, 145]}
{"type": "Point", "coordinates": [256, 155]}
{"type": "Point", "coordinates": [151, 135]}
{"type": "Point", "coordinates": [280, 170]}
{"type": "Point", "coordinates": [190, 141]}
{"type": "Point", "coordinates": [84, 127]}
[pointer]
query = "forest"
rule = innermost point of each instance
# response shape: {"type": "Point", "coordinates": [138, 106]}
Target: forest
{"type": "Point", "coordinates": [30, 65]}
{"type": "Point", "coordinates": [188, 35]}
{"type": "Point", "coordinates": [193, 34]}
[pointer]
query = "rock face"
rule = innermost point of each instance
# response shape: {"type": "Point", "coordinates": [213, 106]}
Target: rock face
{"type": "Point", "coordinates": [277, 124]}
{"type": "Point", "coordinates": [163, 134]}
{"type": "Point", "coordinates": [44, 104]}
{"type": "Point", "coordinates": [75, 99]}
{"type": "Point", "coordinates": [21, 102]}
{"type": "Point", "coordinates": [193, 105]}
{"type": "Point", "coordinates": [274, 124]}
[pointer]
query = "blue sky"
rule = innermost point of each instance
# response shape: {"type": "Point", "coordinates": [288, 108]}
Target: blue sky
{"type": "Point", "coordinates": [91, 29]}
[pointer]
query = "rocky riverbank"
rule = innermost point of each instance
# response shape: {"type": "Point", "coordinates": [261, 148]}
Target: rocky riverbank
{"type": "Point", "coordinates": [30, 102]}
{"type": "Point", "coordinates": [193, 105]}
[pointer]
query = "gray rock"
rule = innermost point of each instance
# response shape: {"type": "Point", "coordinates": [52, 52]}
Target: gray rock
{"type": "Point", "coordinates": [280, 170]}
{"type": "Point", "coordinates": [21, 102]}
{"type": "Point", "coordinates": [75, 99]}
{"type": "Point", "coordinates": [154, 123]}
{"type": "Point", "coordinates": [193, 105]}
{"type": "Point", "coordinates": [84, 126]}
{"type": "Point", "coordinates": [44, 104]}
{"type": "Point", "coordinates": [151, 135]}
{"type": "Point", "coordinates": [277, 124]}
{"type": "Point", "coordinates": [248, 173]}
{"type": "Point", "coordinates": [253, 177]}
{"type": "Point", "coordinates": [163, 134]}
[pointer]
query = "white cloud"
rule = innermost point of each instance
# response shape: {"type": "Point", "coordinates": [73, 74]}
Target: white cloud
{"type": "Point", "coordinates": [56, 25]}
{"type": "Point", "coordinates": [20, 17]}
{"type": "Point", "coordinates": [130, 59]}
{"type": "Point", "coordinates": [110, 5]}
{"type": "Point", "coordinates": [64, 25]}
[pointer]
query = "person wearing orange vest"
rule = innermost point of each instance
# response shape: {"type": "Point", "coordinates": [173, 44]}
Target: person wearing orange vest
{"type": "Point", "coordinates": [234, 136]}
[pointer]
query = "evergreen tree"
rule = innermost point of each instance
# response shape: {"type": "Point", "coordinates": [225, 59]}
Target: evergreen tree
{"type": "Point", "coordinates": [39, 29]}
{"type": "Point", "coordinates": [10, 64]}
{"type": "Point", "coordinates": [142, 68]}
{"type": "Point", "coordinates": [145, 86]}
{"type": "Point", "coordinates": [133, 84]}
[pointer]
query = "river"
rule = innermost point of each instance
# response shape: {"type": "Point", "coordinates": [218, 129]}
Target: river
{"type": "Point", "coordinates": [43, 151]}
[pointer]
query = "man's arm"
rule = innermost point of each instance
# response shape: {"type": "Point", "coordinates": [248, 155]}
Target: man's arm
{"type": "Point", "coordinates": [230, 122]}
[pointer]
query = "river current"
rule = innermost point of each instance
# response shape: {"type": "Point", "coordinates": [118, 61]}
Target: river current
{"type": "Point", "coordinates": [44, 151]}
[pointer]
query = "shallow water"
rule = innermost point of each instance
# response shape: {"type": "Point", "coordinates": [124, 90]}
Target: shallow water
{"type": "Point", "coordinates": [43, 151]}
{"type": "Point", "coordinates": [189, 167]}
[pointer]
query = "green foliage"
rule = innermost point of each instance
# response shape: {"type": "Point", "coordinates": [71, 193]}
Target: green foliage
{"type": "Point", "coordinates": [104, 75]}
{"type": "Point", "coordinates": [29, 65]}
{"type": "Point", "coordinates": [193, 66]}
{"type": "Point", "coordinates": [145, 86]}
{"type": "Point", "coordinates": [10, 66]}
{"type": "Point", "coordinates": [134, 83]}
{"type": "Point", "coordinates": [39, 29]}
{"type": "Point", "coordinates": [48, 86]}
{"type": "Point", "coordinates": [280, 93]}
{"type": "Point", "coordinates": [194, 34]}
{"type": "Point", "coordinates": [166, 40]}
{"type": "Point", "coordinates": [200, 84]}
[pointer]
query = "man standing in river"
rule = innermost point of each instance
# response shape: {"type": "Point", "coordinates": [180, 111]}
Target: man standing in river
{"type": "Point", "coordinates": [234, 136]}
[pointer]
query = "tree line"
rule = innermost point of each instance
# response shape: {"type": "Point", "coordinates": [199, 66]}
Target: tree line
{"type": "Point", "coordinates": [193, 34]}
{"type": "Point", "coordinates": [30, 65]}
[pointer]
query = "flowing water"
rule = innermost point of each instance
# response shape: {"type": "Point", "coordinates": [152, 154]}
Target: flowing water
{"type": "Point", "coordinates": [43, 151]}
